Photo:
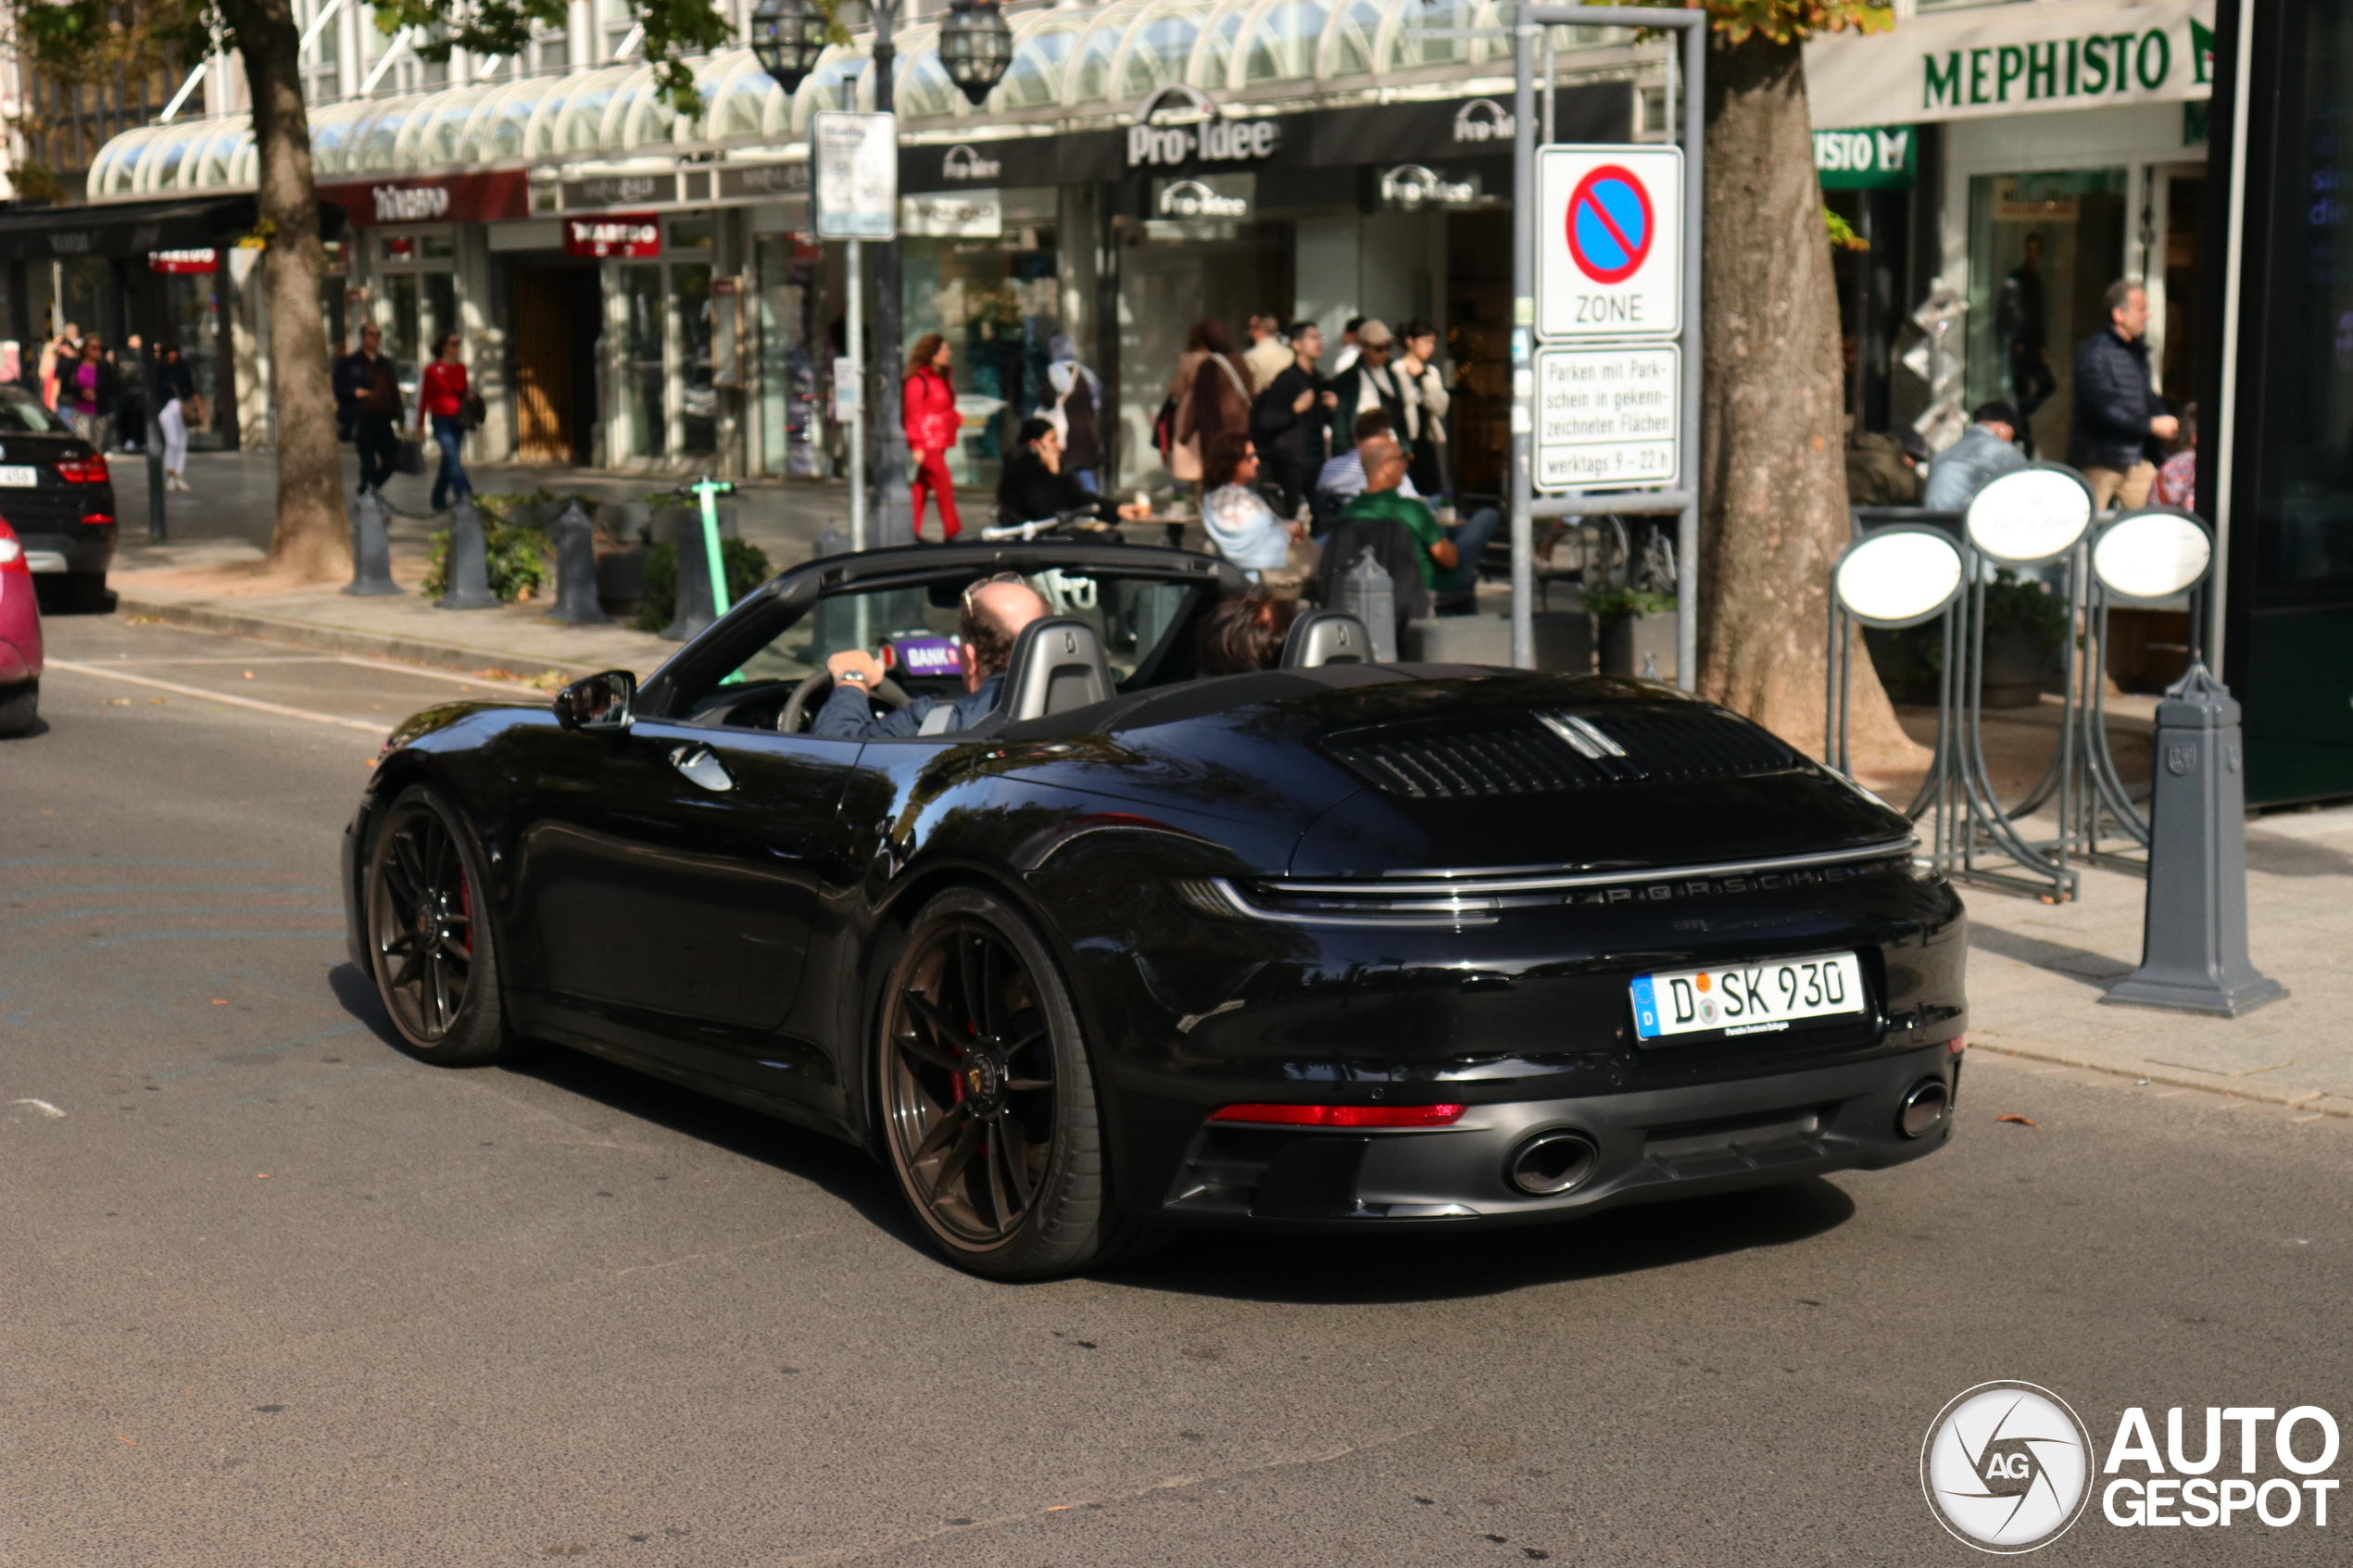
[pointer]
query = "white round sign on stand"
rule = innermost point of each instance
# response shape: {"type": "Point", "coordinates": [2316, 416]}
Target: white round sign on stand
{"type": "Point", "coordinates": [2152, 554]}
{"type": "Point", "coordinates": [2029, 515]}
{"type": "Point", "coordinates": [1897, 577]}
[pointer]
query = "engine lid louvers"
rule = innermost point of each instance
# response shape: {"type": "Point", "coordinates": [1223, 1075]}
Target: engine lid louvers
{"type": "Point", "coordinates": [1544, 750]}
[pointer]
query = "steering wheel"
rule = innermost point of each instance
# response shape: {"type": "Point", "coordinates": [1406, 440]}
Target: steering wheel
{"type": "Point", "coordinates": [791, 719]}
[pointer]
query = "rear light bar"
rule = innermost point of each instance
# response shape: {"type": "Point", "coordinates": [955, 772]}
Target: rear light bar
{"type": "Point", "coordinates": [12, 561]}
{"type": "Point", "coordinates": [82, 471]}
{"type": "Point", "coordinates": [1342, 1115]}
{"type": "Point", "coordinates": [89, 518]}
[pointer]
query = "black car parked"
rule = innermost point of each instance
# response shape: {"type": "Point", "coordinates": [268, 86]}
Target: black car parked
{"type": "Point", "coordinates": [55, 493]}
{"type": "Point", "coordinates": [1336, 945]}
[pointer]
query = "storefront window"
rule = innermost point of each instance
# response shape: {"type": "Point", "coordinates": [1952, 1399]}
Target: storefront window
{"type": "Point", "coordinates": [1166, 286]}
{"type": "Point", "coordinates": [641, 294]}
{"type": "Point", "coordinates": [2043, 250]}
{"type": "Point", "coordinates": [698, 401]}
{"type": "Point", "coordinates": [998, 303]}
{"type": "Point", "coordinates": [791, 431]}
{"type": "Point", "coordinates": [191, 320]}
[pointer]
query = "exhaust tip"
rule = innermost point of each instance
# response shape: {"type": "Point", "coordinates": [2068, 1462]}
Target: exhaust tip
{"type": "Point", "coordinates": [1551, 1163]}
{"type": "Point", "coordinates": [1923, 1108]}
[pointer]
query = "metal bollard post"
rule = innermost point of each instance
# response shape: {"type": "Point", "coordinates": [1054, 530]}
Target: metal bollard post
{"type": "Point", "coordinates": [468, 561]}
{"type": "Point", "coordinates": [370, 549]}
{"type": "Point", "coordinates": [2194, 955]}
{"type": "Point", "coordinates": [832, 542]}
{"type": "Point", "coordinates": [576, 572]}
{"type": "Point", "coordinates": [695, 611]}
{"type": "Point", "coordinates": [1369, 594]}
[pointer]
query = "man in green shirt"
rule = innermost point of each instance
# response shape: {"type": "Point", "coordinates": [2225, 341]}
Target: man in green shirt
{"type": "Point", "coordinates": [1450, 557]}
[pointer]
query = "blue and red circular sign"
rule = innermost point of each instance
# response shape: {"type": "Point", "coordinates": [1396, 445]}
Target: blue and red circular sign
{"type": "Point", "coordinates": [1610, 224]}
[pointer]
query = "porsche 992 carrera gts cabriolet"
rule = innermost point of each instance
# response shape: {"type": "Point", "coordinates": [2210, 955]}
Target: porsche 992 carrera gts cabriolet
{"type": "Point", "coordinates": [1335, 946]}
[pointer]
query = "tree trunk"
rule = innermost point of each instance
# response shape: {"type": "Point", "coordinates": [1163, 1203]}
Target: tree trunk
{"type": "Point", "coordinates": [1773, 512]}
{"type": "Point", "coordinates": [311, 538]}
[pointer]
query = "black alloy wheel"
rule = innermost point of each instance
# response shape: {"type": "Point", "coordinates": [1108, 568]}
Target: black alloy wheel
{"type": "Point", "coordinates": [987, 1100]}
{"type": "Point", "coordinates": [431, 946]}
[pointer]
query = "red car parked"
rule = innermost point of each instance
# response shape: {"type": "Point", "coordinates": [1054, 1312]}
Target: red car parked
{"type": "Point", "coordinates": [19, 637]}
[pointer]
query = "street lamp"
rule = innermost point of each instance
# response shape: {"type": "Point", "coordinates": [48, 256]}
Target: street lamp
{"type": "Point", "coordinates": [975, 46]}
{"type": "Point", "coordinates": [787, 38]}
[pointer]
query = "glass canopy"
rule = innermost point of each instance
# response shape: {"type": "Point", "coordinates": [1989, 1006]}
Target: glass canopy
{"type": "Point", "coordinates": [1078, 62]}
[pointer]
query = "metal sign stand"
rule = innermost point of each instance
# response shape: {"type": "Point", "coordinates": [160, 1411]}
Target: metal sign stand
{"type": "Point", "coordinates": [1530, 35]}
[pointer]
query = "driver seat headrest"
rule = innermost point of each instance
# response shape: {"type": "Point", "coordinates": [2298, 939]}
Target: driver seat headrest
{"type": "Point", "coordinates": [1327, 636]}
{"type": "Point", "coordinates": [1057, 665]}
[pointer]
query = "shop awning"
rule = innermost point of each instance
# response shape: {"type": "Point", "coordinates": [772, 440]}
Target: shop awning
{"type": "Point", "coordinates": [126, 228]}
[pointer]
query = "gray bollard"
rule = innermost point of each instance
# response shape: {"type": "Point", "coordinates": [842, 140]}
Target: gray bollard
{"type": "Point", "coordinates": [1369, 594]}
{"type": "Point", "coordinates": [468, 562]}
{"type": "Point", "coordinates": [832, 542]}
{"type": "Point", "coordinates": [576, 572]}
{"type": "Point", "coordinates": [695, 612]}
{"type": "Point", "coordinates": [370, 549]}
{"type": "Point", "coordinates": [2194, 955]}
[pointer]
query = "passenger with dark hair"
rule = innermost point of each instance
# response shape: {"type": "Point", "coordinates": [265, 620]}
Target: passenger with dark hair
{"type": "Point", "coordinates": [1035, 488]}
{"type": "Point", "coordinates": [1238, 519]}
{"type": "Point", "coordinates": [1244, 633]}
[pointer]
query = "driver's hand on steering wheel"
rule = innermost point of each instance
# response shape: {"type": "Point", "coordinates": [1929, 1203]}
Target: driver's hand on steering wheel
{"type": "Point", "coordinates": [857, 662]}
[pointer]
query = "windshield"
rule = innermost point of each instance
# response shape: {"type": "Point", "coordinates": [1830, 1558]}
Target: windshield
{"type": "Point", "coordinates": [1135, 620]}
{"type": "Point", "coordinates": [21, 411]}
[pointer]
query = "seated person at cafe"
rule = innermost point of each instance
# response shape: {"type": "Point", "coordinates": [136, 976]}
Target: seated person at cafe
{"type": "Point", "coordinates": [1244, 633]}
{"type": "Point", "coordinates": [996, 609]}
{"type": "Point", "coordinates": [1035, 488]}
{"type": "Point", "coordinates": [1344, 475]}
{"type": "Point", "coordinates": [1235, 517]}
{"type": "Point", "coordinates": [1449, 556]}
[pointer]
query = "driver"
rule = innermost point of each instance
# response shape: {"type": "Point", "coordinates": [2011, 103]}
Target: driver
{"type": "Point", "coordinates": [996, 609]}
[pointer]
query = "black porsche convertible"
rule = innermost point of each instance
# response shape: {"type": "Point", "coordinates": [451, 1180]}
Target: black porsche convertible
{"type": "Point", "coordinates": [1335, 946]}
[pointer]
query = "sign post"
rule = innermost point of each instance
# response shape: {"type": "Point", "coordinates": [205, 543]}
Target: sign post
{"type": "Point", "coordinates": [855, 192]}
{"type": "Point", "coordinates": [1605, 277]}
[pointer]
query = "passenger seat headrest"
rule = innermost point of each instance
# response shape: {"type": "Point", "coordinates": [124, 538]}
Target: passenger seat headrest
{"type": "Point", "coordinates": [1327, 636]}
{"type": "Point", "coordinates": [1057, 665]}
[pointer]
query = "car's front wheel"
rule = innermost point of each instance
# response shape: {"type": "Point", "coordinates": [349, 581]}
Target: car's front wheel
{"type": "Point", "coordinates": [429, 935]}
{"type": "Point", "coordinates": [988, 1105]}
{"type": "Point", "coordinates": [20, 706]}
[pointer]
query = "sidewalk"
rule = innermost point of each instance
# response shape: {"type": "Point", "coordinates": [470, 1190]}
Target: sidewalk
{"type": "Point", "coordinates": [2037, 972]}
{"type": "Point", "coordinates": [208, 573]}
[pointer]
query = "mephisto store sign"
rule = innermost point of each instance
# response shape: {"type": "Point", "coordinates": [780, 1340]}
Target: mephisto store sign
{"type": "Point", "coordinates": [1969, 64]}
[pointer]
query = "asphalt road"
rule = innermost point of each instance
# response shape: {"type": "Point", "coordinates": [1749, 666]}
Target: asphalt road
{"type": "Point", "coordinates": [271, 1294]}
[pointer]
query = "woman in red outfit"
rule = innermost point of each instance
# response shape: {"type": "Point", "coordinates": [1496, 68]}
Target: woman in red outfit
{"type": "Point", "coordinates": [442, 397]}
{"type": "Point", "coordinates": [928, 406]}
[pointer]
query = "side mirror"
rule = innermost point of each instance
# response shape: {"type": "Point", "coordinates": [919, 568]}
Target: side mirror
{"type": "Point", "coordinates": [598, 702]}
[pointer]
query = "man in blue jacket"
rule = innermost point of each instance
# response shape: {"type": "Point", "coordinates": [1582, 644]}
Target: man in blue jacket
{"type": "Point", "coordinates": [995, 611]}
{"type": "Point", "coordinates": [2118, 414]}
{"type": "Point", "coordinates": [1986, 448]}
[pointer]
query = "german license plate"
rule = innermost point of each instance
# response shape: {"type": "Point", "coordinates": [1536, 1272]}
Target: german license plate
{"type": "Point", "coordinates": [14, 476]}
{"type": "Point", "coordinates": [1754, 999]}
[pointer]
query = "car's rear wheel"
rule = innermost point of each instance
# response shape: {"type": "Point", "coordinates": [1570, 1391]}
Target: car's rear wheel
{"type": "Point", "coordinates": [429, 938]}
{"type": "Point", "coordinates": [988, 1105]}
{"type": "Point", "coordinates": [19, 707]}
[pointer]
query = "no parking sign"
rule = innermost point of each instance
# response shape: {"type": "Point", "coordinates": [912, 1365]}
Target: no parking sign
{"type": "Point", "coordinates": [1609, 243]}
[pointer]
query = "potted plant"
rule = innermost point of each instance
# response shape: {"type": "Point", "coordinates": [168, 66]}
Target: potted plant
{"type": "Point", "coordinates": [1637, 630]}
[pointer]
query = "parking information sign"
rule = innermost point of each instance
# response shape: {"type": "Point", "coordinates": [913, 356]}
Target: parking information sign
{"type": "Point", "coordinates": [856, 181]}
{"type": "Point", "coordinates": [1609, 243]}
{"type": "Point", "coordinates": [1608, 419]}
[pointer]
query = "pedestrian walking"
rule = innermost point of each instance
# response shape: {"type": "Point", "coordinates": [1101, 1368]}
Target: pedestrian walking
{"type": "Point", "coordinates": [1213, 398]}
{"type": "Point", "coordinates": [1291, 419]}
{"type": "Point", "coordinates": [1075, 412]}
{"type": "Point", "coordinates": [176, 405]}
{"type": "Point", "coordinates": [1268, 356]}
{"type": "Point", "coordinates": [927, 409]}
{"type": "Point", "coordinates": [441, 398]}
{"type": "Point", "coordinates": [1368, 384]}
{"type": "Point", "coordinates": [2117, 413]}
{"type": "Point", "coordinates": [376, 411]}
{"type": "Point", "coordinates": [92, 393]}
{"type": "Point", "coordinates": [1421, 387]}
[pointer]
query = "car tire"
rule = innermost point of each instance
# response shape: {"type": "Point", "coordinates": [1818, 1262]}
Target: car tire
{"type": "Point", "coordinates": [991, 1119]}
{"type": "Point", "coordinates": [75, 592]}
{"type": "Point", "coordinates": [20, 706]}
{"type": "Point", "coordinates": [430, 943]}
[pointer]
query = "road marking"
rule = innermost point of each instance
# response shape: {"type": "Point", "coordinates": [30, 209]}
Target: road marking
{"type": "Point", "coordinates": [42, 1106]}
{"type": "Point", "coordinates": [279, 709]}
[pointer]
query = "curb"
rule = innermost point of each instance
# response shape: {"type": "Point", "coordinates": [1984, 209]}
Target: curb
{"type": "Point", "coordinates": [342, 639]}
{"type": "Point", "coordinates": [2208, 1083]}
